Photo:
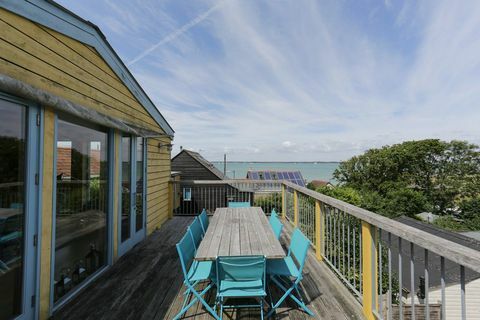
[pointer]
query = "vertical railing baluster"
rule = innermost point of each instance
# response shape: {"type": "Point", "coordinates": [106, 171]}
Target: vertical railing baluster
{"type": "Point", "coordinates": [412, 279]}
{"type": "Point", "coordinates": [462, 292]}
{"type": "Point", "coordinates": [380, 273]}
{"type": "Point", "coordinates": [355, 257]}
{"type": "Point", "coordinates": [442, 283]}
{"type": "Point", "coordinates": [360, 240]}
{"type": "Point", "coordinates": [389, 292]}
{"type": "Point", "coordinates": [400, 279]}
{"type": "Point", "coordinates": [427, 285]}
{"type": "Point", "coordinates": [343, 242]}
{"type": "Point", "coordinates": [335, 238]}
{"type": "Point", "coordinates": [348, 247]}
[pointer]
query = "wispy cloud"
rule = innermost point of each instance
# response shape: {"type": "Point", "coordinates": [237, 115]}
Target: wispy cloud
{"type": "Point", "coordinates": [176, 33]}
{"type": "Point", "coordinates": [302, 80]}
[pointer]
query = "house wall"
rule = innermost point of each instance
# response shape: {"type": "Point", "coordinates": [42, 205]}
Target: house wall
{"type": "Point", "coordinates": [158, 177]}
{"type": "Point", "coordinates": [453, 305]}
{"type": "Point", "coordinates": [190, 169]}
{"type": "Point", "coordinates": [69, 69]}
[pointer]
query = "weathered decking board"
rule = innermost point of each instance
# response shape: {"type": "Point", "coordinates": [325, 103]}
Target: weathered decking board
{"type": "Point", "coordinates": [235, 231]}
{"type": "Point", "coordinates": [146, 283]}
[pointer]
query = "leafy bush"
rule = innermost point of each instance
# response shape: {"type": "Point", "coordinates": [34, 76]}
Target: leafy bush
{"type": "Point", "coordinates": [470, 208]}
{"type": "Point", "coordinates": [269, 201]}
{"type": "Point", "coordinates": [450, 223]}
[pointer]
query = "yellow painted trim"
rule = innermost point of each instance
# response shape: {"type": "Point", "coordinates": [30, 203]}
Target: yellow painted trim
{"type": "Point", "coordinates": [116, 187]}
{"type": "Point", "coordinates": [295, 208]}
{"type": "Point", "coordinates": [369, 268]}
{"type": "Point", "coordinates": [284, 202]}
{"type": "Point", "coordinates": [47, 213]}
{"type": "Point", "coordinates": [318, 231]}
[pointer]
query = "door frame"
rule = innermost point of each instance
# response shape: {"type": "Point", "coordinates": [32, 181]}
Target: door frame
{"type": "Point", "coordinates": [54, 306]}
{"type": "Point", "coordinates": [32, 203]}
{"type": "Point", "coordinates": [135, 236]}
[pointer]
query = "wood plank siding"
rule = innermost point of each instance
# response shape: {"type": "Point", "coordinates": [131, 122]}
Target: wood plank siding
{"type": "Point", "coordinates": [158, 177]}
{"type": "Point", "coordinates": [67, 68]}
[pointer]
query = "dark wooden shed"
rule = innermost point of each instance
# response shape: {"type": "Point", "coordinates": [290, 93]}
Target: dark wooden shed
{"type": "Point", "coordinates": [194, 197]}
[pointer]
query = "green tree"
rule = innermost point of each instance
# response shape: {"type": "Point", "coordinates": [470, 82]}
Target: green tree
{"type": "Point", "coordinates": [414, 176]}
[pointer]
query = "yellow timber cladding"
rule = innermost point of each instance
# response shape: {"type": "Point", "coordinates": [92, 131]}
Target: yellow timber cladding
{"type": "Point", "coordinates": [64, 67]}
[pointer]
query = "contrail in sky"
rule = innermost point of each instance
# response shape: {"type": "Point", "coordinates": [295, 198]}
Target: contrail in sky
{"type": "Point", "coordinates": [176, 33]}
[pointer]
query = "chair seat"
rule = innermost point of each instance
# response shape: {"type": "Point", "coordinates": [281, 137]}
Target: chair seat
{"type": "Point", "coordinates": [283, 267]}
{"type": "Point", "coordinates": [200, 270]}
{"type": "Point", "coordinates": [239, 289]}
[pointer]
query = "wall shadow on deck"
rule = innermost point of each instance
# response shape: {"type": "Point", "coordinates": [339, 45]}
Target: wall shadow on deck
{"type": "Point", "coordinates": [142, 284]}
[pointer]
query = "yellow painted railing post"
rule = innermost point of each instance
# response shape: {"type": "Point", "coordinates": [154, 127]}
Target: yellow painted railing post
{"type": "Point", "coordinates": [295, 208]}
{"type": "Point", "coordinates": [284, 202]}
{"type": "Point", "coordinates": [369, 268]}
{"type": "Point", "coordinates": [319, 230]}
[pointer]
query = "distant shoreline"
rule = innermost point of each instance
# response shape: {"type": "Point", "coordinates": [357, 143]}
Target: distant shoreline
{"type": "Point", "coordinates": [221, 161]}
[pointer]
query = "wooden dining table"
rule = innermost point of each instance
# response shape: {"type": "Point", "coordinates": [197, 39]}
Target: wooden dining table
{"type": "Point", "coordinates": [239, 232]}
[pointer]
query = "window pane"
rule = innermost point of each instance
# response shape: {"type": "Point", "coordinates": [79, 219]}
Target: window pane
{"type": "Point", "coordinates": [139, 194]}
{"type": "Point", "coordinates": [81, 208]}
{"type": "Point", "coordinates": [12, 177]}
{"type": "Point", "coordinates": [126, 187]}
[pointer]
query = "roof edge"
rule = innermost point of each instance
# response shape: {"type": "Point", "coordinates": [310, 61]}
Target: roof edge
{"type": "Point", "coordinates": [56, 17]}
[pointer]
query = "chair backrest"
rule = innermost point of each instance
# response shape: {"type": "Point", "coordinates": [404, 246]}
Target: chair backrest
{"type": "Point", "coordinates": [273, 215]}
{"type": "Point", "coordinates": [204, 220]}
{"type": "Point", "coordinates": [239, 204]}
{"type": "Point", "coordinates": [277, 226]}
{"type": "Point", "coordinates": [299, 245]}
{"type": "Point", "coordinates": [241, 268]}
{"type": "Point", "coordinates": [186, 252]}
{"type": "Point", "coordinates": [196, 232]}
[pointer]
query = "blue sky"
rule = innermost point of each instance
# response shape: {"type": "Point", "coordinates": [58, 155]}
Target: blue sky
{"type": "Point", "coordinates": [293, 80]}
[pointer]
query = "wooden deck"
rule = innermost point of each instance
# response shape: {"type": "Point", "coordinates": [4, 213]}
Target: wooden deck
{"type": "Point", "coordinates": [146, 283]}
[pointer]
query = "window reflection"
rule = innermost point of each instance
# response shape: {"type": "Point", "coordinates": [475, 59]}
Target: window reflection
{"type": "Point", "coordinates": [12, 191]}
{"type": "Point", "coordinates": [139, 194]}
{"type": "Point", "coordinates": [126, 188]}
{"type": "Point", "coordinates": [81, 208]}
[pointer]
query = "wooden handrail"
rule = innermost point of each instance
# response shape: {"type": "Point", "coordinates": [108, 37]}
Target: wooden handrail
{"type": "Point", "coordinates": [453, 251]}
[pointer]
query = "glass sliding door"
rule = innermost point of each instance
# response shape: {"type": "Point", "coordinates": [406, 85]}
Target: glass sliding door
{"type": "Point", "coordinates": [132, 212]}
{"type": "Point", "coordinates": [18, 194]}
{"type": "Point", "coordinates": [126, 218]}
{"type": "Point", "coordinates": [81, 222]}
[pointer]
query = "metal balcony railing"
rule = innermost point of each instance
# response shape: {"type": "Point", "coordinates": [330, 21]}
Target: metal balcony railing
{"type": "Point", "coordinates": [395, 271]}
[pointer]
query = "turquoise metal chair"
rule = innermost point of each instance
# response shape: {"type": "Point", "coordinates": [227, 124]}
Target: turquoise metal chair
{"type": "Point", "coordinates": [194, 272]}
{"type": "Point", "coordinates": [273, 215]}
{"type": "Point", "coordinates": [196, 232]}
{"type": "Point", "coordinates": [286, 273]}
{"type": "Point", "coordinates": [204, 220]}
{"type": "Point", "coordinates": [239, 204]}
{"type": "Point", "coordinates": [276, 225]}
{"type": "Point", "coordinates": [241, 277]}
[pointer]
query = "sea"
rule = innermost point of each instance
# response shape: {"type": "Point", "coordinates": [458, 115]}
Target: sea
{"type": "Point", "coordinates": [310, 170]}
